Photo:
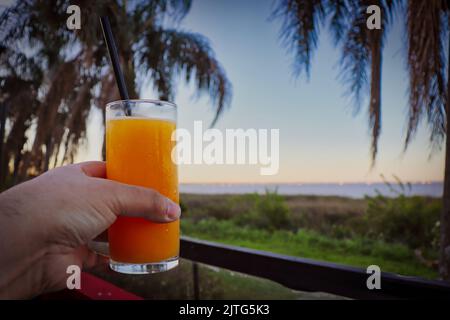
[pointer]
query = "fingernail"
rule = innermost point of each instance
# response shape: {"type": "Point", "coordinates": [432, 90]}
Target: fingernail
{"type": "Point", "coordinates": [173, 210]}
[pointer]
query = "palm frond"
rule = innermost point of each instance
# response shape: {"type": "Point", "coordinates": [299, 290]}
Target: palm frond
{"type": "Point", "coordinates": [375, 43]}
{"type": "Point", "coordinates": [14, 21]}
{"type": "Point", "coordinates": [66, 72]}
{"type": "Point", "coordinates": [339, 10]}
{"type": "Point", "coordinates": [355, 56]}
{"type": "Point", "coordinates": [17, 65]}
{"type": "Point", "coordinates": [361, 56]}
{"type": "Point", "coordinates": [107, 91]}
{"type": "Point", "coordinates": [167, 53]}
{"type": "Point", "coordinates": [301, 20]}
{"type": "Point", "coordinates": [21, 107]}
{"type": "Point", "coordinates": [158, 10]}
{"type": "Point", "coordinates": [426, 65]}
{"type": "Point", "coordinates": [76, 120]}
{"type": "Point", "coordinates": [55, 95]}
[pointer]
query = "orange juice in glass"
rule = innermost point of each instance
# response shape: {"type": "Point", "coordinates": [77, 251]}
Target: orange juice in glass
{"type": "Point", "coordinates": [138, 152]}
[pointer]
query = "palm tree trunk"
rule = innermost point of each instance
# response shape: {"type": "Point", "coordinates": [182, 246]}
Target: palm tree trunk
{"type": "Point", "coordinates": [48, 153]}
{"type": "Point", "coordinates": [444, 264]}
{"type": "Point", "coordinates": [17, 161]}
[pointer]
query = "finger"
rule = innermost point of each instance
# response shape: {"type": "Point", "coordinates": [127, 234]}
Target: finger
{"type": "Point", "coordinates": [94, 168]}
{"type": "Point", "coordinates": [134, 201]}
{"type": "Point", "coordinates": [95, 260]}
{"type": "Point", "coordinates": [89, 258]}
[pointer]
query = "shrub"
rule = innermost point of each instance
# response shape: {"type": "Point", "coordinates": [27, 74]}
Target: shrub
{"type": "Point", "coordinates": [409, 220]}
{"type": "Point", "coordinates": [269, 212]}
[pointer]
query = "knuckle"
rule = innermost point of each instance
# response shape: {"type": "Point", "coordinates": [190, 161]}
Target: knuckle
{"type": "Point", "coordinates": [158, 202]}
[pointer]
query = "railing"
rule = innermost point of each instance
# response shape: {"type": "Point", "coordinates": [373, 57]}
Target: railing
{"type": "Point", "coordinates": [294, 273]}
{"type": "Point", "coordinates": [310, 275]}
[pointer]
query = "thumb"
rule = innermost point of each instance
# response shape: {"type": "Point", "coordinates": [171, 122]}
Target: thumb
{"type": "Point", "coordinates": [134, 201]}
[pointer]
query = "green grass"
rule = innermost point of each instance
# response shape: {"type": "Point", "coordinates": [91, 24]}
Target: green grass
{"type": "Point", "coordinates": [359, 252]}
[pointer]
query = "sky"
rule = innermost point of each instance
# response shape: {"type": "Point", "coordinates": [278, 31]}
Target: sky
{"type": "Point", "coordinates": [321, 139]}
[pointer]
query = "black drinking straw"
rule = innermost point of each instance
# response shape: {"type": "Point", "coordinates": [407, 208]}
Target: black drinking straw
{"type": "Point", "coordinates": [112, 49]}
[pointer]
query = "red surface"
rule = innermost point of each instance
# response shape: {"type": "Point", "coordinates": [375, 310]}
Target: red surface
{"type": "Point", "coordinates": [92, 288]}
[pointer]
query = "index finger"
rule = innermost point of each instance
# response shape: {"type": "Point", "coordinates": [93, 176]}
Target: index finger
{"type": "Point", "coordinates": [95, 169]}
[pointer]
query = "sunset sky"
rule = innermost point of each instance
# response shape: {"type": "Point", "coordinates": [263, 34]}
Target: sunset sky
{"type": "Point", "coordinates": [320, 138]}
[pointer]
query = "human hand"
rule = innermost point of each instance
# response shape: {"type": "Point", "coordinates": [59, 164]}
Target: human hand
{"type": "Point", "coordinates": [45, 224]}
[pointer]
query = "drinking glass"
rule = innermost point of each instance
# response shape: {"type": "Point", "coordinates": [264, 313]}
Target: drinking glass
{"type": "Point", "coordinates": [138, 151]}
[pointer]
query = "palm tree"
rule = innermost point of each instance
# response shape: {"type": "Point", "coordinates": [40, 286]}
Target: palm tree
{"type": "Point", "coordinates": [427, 39]}
{"type": "Point", "coordinates": [51, 76]}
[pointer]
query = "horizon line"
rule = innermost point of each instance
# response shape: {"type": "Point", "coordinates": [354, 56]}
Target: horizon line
{"type": "Point", "coordinates": [304, 183]}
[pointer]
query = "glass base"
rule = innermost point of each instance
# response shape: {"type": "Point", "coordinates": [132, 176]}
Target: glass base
{"type": "Point", "coordinates": [143, 268]}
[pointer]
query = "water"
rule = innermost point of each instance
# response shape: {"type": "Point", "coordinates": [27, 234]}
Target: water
{"type": "Point", "coordinates": [352, 190]}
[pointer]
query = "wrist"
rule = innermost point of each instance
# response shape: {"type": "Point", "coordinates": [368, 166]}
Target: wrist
{"type": "Point", "coordinates": [20, 252]}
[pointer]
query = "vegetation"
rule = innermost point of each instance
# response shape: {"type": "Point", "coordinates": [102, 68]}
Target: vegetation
{"type": "Point", "coordinates": [269, 212]}
{"type": "Point", "coordinates": [340, 230]}
{"type": "Point", "coordinates": [51, 77]}
{"type": "Point", "coordinates": [412, 221]}
{"type": "Point", "coordinates": [398, 234]}
{"type": "Point", "coordinates": [427, 62]}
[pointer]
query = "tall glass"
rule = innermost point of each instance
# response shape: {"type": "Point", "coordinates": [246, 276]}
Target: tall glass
{"type": "Point", "coordinates": [138, 152]}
